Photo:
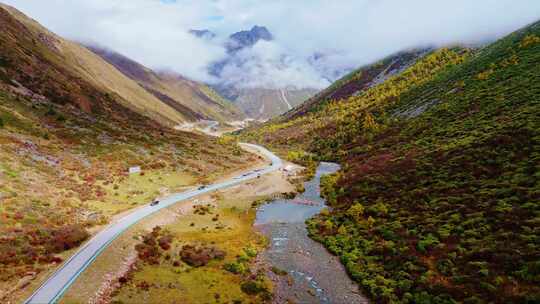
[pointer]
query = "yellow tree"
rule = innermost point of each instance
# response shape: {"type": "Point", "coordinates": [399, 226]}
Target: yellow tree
{"type": "Point", "coordinates": [369, 122]}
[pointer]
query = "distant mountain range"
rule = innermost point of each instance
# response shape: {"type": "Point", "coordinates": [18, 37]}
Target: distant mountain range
{"type": "Point", "coordinates": [243, 39]}
{"type": "Point", "coordinates": [259, 101]}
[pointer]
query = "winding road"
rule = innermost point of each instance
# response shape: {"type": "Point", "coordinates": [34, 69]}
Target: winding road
{"type": "Point", "coordinates": [57, 284]}
{"type": "Point", "coordinates": [285, 100]}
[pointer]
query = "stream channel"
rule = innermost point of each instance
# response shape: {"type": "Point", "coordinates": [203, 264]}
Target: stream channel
{"type": "Point", "coordinates": [314, 275]}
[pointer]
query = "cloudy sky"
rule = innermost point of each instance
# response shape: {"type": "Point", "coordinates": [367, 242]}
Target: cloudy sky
{"type": "Point", "coordinates": [351, 32]}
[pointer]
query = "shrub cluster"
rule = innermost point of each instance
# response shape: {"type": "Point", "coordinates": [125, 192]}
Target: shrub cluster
{"type": "Point", "coordinates": [153, 245]}
{"type": "Point", "coordinates": [198, 256]}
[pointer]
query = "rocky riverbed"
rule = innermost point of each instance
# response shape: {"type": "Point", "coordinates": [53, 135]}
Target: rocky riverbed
{"type": "Point", "coordinates": [304, 271]}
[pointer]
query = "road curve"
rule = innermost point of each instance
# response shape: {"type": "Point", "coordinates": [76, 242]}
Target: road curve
{"type": "Point", "coordinates": [57, 284]}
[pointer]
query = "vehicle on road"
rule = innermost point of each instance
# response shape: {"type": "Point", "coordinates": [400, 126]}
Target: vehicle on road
{"type": "Point", "coordinates": [201, 187]}
{"type": "Point", "coordinates": [154, 202]}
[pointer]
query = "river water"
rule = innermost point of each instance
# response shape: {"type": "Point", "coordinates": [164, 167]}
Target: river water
{"type": "Point", "coordinates": [314, 275]}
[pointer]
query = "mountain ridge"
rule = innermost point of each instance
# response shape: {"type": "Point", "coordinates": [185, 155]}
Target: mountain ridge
{"type": "Point", "coordinates": [195, 100]}
{"type": "Point", "coordinates": [89, 67]}
{"type": "Point", "coordinates": [360, 79]}
{"type": "Point", "coordinates": [207, 34]}
{"type": "Point", "coordinates": [248, 38]}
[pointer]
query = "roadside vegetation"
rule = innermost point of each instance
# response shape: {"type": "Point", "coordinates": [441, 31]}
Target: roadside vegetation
{"type": "Point", "coordinates": [207, 257]}
{"type": "Point", "coordinates": [60, 177]}
{"type": "Point", "coordinates": [439, 197]}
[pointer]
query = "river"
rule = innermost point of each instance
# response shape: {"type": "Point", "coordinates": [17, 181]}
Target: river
{"type": "Point", "coordinates": [313, 274]}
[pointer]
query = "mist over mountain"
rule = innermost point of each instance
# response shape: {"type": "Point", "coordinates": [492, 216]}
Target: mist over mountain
{"type": "Point", "coordinates": [350, 33]}
{"type": "Point", "coordinates": [269, 57]}
{"type": "Point", "coordinates": [262, 78]}
{"type": "Point", "coordinates": [256, 60]}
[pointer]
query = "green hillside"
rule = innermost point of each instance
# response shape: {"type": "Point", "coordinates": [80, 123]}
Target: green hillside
{"type": "Point", "coordinates": [359, 80]}
{"type": "Point", "coordinates": [439, 197]}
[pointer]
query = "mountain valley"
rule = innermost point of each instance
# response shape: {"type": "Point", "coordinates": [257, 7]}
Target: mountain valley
{"type": "Point", "coordinates": [406, 165]}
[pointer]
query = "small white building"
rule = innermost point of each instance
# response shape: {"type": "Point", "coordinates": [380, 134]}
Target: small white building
{"type": "Point", "coordinates": [134, 170]}
{"type": "Point", "coordinates": [291, 170]}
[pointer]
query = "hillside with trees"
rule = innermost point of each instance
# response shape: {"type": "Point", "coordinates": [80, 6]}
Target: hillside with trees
{"type": "Point", "coordinates": [438, 200]}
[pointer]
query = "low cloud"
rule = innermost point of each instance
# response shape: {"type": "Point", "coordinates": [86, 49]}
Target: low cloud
{"type": "Point", "coordinates": [348, 33]}
{"type": "Point", "coordinates": [268, 65]}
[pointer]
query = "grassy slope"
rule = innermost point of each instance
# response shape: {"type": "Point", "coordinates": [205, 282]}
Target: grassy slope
{"type": "Point", "coordinates": [89, 67]}
{"type": "Point", "coordinates": [108, 78]}
{"type": "Point", "coordinates": [65, 149]}
{"type": "Point", "coordinates": [194, 100]}
{"type": "Point", "coordinates": [199, 97]}
{"type": "Point", "coordinates": [443, 205]}
{"type": "Point", "coordinates": [225, 105]}
{"type": "Point", "coordinates": [59, 171]}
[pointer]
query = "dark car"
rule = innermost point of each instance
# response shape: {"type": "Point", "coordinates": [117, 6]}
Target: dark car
{"type": "Point", "coordinates": [201, 187]}
{"type": "Point", "coordinates": [154, 202]}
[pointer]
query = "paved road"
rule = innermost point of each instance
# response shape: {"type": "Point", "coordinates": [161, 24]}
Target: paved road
{"type": "Point", "coordinates": [59, 282]}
